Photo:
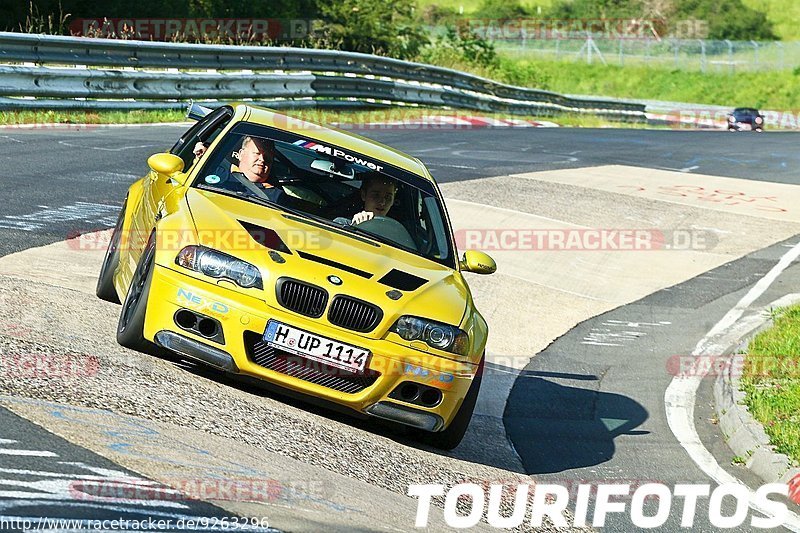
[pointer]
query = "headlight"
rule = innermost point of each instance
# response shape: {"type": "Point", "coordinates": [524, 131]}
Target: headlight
{"type": "Point", "coordinates": [219, 265]}
{"type": "Point", "coordinates": [435, 334]}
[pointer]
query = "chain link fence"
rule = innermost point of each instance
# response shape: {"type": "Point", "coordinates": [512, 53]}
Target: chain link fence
{"type": "Point", "coordinates": [684, 54]}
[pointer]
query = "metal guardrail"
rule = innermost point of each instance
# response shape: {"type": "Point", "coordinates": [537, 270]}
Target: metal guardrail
{"type": "Point", "coordinates": [119, 70]}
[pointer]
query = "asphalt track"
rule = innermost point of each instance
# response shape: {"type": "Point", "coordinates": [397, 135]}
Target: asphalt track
{"type": "Point", "coordinates": [580, 409]}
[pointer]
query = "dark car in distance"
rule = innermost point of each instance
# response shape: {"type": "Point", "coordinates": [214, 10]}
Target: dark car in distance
{"type": "Point", "coordinates": [745, 119]}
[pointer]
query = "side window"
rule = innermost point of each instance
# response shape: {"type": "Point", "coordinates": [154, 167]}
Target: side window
{"type": "Point", "coordinates": [205, 131]}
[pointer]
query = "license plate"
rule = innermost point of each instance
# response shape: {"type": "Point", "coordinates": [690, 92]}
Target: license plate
{"type": "Point", "coordinates": [315, 347]}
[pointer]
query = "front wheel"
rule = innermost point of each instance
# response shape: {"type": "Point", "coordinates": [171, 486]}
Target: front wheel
{"type": "Point", "coordinates": [130, 329]}
{"type": "Point", "coordinates": [454, 434]}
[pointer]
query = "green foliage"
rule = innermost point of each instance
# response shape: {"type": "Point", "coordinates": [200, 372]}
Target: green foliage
{"type": "Point", "coordinates": [13, 14]}
{"type": "Point", "coordinates": [437, 15]}
{"type": "Point", "coordinates": [771, 381]}
{"type": "Point", "coordinates": [728, 19]}
{"type": "Point", "coordinates": [457, 47]}
{"type": "Point", "coordinates": [524, 73]}
{"type": "Point", "coordinates": [783, 14]}
{"type": "Point", "coordinates": [373, 27]}
{"type": "Point", "coordinates": [501, 9]}
{"type": "Point", "coordinates": [594, 9]}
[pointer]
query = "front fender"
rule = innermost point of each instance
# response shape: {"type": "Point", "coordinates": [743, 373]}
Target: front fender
{"type": "Point", "coordinates": [175, 230]}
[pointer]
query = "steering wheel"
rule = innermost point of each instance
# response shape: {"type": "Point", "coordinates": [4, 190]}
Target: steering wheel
{"type": "Point", "coordinates": [390, 229]}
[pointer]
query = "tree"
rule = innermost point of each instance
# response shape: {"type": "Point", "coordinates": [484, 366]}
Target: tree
{"type": "Point", "coordinates": [373, 27]}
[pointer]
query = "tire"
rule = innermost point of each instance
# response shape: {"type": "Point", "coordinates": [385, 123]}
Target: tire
{"type": "Point", "coordinates": [105, 281]}
{"type": "Point", "coordinates": [130, 328]}
{"type": "Point", "coordinates": [453, 435]}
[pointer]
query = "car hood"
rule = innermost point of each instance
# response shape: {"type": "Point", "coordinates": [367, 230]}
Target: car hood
{"type": "Point", "coordinates": [368, 270]}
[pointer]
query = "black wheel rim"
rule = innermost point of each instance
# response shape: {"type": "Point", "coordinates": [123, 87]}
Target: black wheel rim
{"type": "Point", "coordinates": [137, 287]}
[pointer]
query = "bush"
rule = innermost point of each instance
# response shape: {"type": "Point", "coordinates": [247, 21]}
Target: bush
{"type": "Point", "coordinates": [523, 73]}
{"type": "Point", "coordinates": [373, 27]}
{"type": "Point", "coordinates": [436, 15]}
{"type": "Point", "coordinates": [727, 19]}
{"type": "Point", "coordinates": [594, 9]}
{"type": "Point", "coordinates": [501, 9]}
{"type": "Point", "coordinates": [459, 45]}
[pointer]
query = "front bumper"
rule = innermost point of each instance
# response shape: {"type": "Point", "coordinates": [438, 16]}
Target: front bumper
{"type": "Point", "coordinates": [243, 320]}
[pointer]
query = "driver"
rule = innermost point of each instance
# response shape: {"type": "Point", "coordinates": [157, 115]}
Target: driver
{"type": "Point", "coordinates": [256, 157]}
{"type": "Point", "coordinates": [377, 193]}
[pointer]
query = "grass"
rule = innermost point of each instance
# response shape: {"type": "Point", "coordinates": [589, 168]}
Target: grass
{"type": "Point", "coordinates": [771, 381]}
{"type": "Point", "coordinates": [89, 117]}
{"type": "Point", "coordinates": [347, 119]}
{"type": "Point", "coordinates": [768, 90]}
{"type": "Point", "coordinates": [776, 90]}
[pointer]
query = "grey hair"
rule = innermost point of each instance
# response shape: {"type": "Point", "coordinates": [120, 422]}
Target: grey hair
{"type": "Point", "coordinates": [267, 145]}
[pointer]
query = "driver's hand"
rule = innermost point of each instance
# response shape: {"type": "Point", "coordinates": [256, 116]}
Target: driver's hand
{"type": "Point", "coordinates": [199, 149]}
{"type": "Point", "coordinates": [363, 216]}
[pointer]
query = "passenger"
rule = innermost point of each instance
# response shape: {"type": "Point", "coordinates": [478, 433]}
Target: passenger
{"type": "Point", "coordinates": [199, 150]}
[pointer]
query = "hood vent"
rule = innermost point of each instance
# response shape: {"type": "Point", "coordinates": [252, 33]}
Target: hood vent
{"type": "Point", "coordinates": [265, 237]}
{"type": "Point", "coordinates": [334, 264]}
{"type": "Point", "coordinates": [397, 279]}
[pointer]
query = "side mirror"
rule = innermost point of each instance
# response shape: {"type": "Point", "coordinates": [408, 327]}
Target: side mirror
{"type": "Point", "coordinates": [166, 164]}
{"type": "Point", "coordinates": [477, 262]}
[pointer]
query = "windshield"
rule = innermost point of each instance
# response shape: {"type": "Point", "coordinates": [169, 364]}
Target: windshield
{"type": "Point", "coordinates": [333, 185]}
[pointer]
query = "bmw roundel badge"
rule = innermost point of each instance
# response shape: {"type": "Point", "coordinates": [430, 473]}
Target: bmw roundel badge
{"type": "Point", "coordinates": [336, 280]}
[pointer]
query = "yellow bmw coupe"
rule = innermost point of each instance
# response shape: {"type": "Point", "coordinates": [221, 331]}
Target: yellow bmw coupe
{"type": "Point", "coordinates": [307, 257]}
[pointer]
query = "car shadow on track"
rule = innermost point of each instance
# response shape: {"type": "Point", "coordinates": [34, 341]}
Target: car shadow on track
{"type": "Point", "coordinates": [562, 421]}
{"type": "Point", "coordinates": [486, 441]}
